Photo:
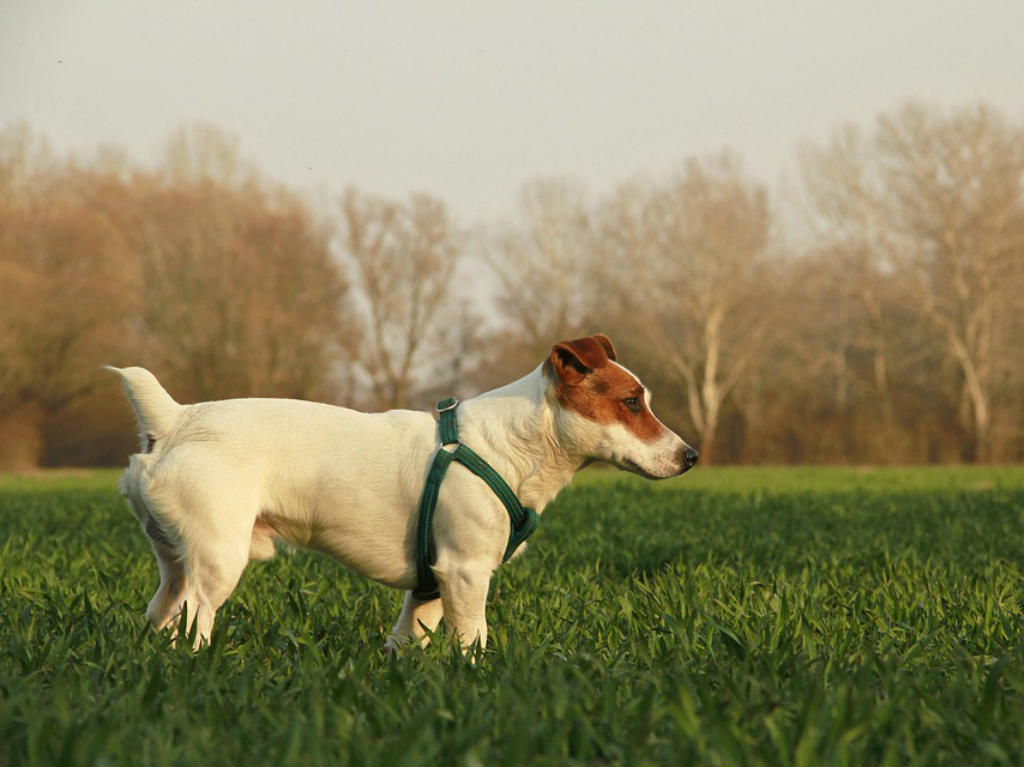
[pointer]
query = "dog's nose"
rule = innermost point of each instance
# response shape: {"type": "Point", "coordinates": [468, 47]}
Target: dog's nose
{"type": "Point", "coordinates": [688, 458]}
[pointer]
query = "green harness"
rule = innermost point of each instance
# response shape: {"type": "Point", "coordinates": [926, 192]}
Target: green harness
{"type": "Point", "coordinates": [524, 521]}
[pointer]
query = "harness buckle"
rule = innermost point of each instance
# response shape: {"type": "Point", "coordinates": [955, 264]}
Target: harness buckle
{"type": "Point", "coordinates": [447, 404]}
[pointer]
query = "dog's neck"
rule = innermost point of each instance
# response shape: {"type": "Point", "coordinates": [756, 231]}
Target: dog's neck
{"type": "Point", "coordinates": [514, 429]}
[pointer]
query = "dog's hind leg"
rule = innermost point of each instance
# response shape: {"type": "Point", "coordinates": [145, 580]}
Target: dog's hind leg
{"type": "Point", "coordinates": [213, 566]}
{"type": "Point", "coordinates": [415, 621]}
{"type": "Point", "coordinates": [212, 524]}
{"type": "Point", "coordinates": [163, 606]}
{"type": "Point", "coordinates": [212, 576]}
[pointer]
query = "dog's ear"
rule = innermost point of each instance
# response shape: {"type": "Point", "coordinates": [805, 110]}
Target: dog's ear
{"type": "Point", "coordinates": [606, 344]}
{"type": "Point", "coordinates": [572, 361]}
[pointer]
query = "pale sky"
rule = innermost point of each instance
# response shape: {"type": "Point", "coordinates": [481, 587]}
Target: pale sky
{"type": "Point", "coordinates": [469, 100]}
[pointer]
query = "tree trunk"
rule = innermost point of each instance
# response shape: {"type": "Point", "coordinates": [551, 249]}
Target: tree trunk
{"type": "Point", "coordinates": [21, 438]}
{"type": "Point", "coordinates": [978, 398]}
{"type": "Point", "coordinates": [707, 439]}
{"type": "Point", "coordinates": [979, 408]}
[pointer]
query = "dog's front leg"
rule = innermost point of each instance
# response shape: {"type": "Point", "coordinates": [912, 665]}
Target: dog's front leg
{"type": "Point", "coordinates": [464, 593]}
{"type": "Point", "coordinates": [413, 624]}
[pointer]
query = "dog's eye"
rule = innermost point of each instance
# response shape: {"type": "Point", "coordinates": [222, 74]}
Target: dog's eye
{"type": "Point", "coordinates": [633, 403]}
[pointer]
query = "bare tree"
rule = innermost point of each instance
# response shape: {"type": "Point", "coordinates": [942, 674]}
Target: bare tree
{"type": "Point", "coordinates": [403, 259]}
{"type": "Point", "coordinates": [936, 201]}
{"type": "Point", "coordinates": [955, 187]}
{"type": "Point", "coordinates": [203, 153]}
{"type": "Point", "coordinates": [687, 268]}
{"type": "Point", "coordinates": [893, 335]}
{"type": "Point", "coordinates": [547, 268]}
{"type": "Point", "coordinates": [240, 293]}
{"type": "Point", "coordinates": [849, 231]}
{"type": "Point", "coordinates": [62, 303]}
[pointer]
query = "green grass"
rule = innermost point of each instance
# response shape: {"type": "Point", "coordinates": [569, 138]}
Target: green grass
{"type": "Point", "coordinates": [873, 479]}
{"type": "Point", "coordinates": [738, 616]}
{"type": "Point", "coordinates": [51, 480]}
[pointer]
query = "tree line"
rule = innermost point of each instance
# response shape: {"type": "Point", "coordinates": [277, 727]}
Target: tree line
{"type": "Point", "coordinates": [872, 317]}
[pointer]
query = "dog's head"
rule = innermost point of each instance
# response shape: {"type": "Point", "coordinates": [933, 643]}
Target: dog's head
{"type": "Point", "coordinates": [604, 411]}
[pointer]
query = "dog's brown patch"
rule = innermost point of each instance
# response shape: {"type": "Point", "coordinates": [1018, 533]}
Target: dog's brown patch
{"type": "Point", "coordinates": [586, 384]}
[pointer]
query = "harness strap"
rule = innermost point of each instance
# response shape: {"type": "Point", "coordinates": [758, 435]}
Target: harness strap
{"type": "Point", "coordinates": [523, 520]}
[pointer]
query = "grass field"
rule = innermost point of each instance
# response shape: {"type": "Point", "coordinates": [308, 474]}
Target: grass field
{"type": "Point", "coordinates": [734, 616]}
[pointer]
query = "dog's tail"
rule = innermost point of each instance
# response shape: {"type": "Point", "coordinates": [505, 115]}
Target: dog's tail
{"type": "Point", "coordinates": [155, 409]}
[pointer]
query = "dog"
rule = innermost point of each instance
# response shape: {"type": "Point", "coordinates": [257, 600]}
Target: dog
{"type": "Point", "coordinates": [216, 483]}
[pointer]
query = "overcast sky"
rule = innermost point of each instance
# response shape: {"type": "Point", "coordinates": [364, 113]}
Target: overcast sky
{"type": "Point", "coordinates": [470, 100]}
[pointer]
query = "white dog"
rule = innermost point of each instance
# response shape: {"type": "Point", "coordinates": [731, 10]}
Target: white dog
{"type": "Point", "coordinates": [216, 483]}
